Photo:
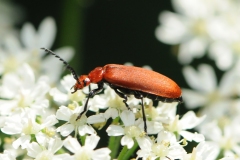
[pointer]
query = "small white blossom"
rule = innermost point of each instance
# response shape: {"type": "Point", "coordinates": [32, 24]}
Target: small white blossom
{"type": "Point", "coordinates": [200, 27]}
{"type": "Point", "coordinates": [23, 125]}
{"type": "Point", "coordinates": [70, 114]}
{"type": "Point", "coordinates": [203, 151]}
{"type": "Point", "coordinates": [87, 151]}
{"type": "Point", "coordinates": [62, 97]}
{"type": "Point", "coordinates": [207, 94]}
{"type": "Point", "coordinates": [6, 155]}
{"type": "Point", "coordinates": [14, 54]}
{"type": "Point", "coordinates": [188, 121]}
{"type": "Point", "coordinates": [130, 130]}
{"type": "Point", "coordinates": [165, 147]}
{"type": "Point", "coordinates": [23, 92]}
{"type": "Point", "coordinates": [47, 151]}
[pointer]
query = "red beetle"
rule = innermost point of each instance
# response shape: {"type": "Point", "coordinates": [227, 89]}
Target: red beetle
{"type": "Point", "coordinates": [127, 80]}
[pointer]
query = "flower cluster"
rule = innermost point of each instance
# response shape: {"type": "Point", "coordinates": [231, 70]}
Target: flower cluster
{"type": "Point", "coordinates": [201, 27]}
{"type": "Point", "coordinates": [209, 27]}
{"type": "Point", "coordinates": [38, 115]}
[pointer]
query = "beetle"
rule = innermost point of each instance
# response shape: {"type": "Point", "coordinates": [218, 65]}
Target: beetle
{"type": "Point", "coordinates": [127, 80]}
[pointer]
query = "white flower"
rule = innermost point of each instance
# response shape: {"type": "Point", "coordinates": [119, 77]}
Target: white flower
{"type": "Point", "coordinates": [23, 125]}
{"type": "Point", "coordinates": [70, 114]}
{"type": "Point", "coordinates": [166, 146]}
{"type": "Point", "coordinates": [207, 94]}
{"type": "Point", "coordinates": [47, 151]}
{"type": "Point", "coordinates": [226, 136]}
{"type": "Point", "coordinates": [188, 121]}
{"type": "Point", "coordinates": [190, 32]}
{"type": "Point", "coordinates": [13, 54]}
{"type": "Point", "coordinates": [6, 155]}
{"type": "Point", "coordinates": [200, 26]}
{"type": "Point", "coordinates": [116, 105]}
{"type": "Point", "coordinates": [203, 151]}
{"type": "Point", "coordinates": [87, 151]}
{"type": "Point", "coordinates": [66, 84]}
{"type": "Point", "coordinates": [130, 130]}
{"type": "Point", "coordinates": [23, 92]}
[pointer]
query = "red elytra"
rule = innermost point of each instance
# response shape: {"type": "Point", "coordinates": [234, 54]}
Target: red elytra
{"type": "Point", "coordinates": [127, 80]}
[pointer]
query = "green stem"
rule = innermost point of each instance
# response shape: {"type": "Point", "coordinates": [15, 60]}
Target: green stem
{"type": "Point", "coordinates": [127, 153]}
{"type": "Point", "coordinates": [113, 145]}
{"type": "Point", "coordinates": [114, 142]}
{"type": "Point", "coordinates": [82, 139]}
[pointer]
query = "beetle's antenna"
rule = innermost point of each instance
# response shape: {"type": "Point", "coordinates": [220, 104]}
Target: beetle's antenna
{"type": "Point", "coordinates": [65, 63]}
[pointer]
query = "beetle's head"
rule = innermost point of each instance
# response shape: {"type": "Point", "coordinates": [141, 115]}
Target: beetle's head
{"type": "Point", "coordinates": [82, 81]}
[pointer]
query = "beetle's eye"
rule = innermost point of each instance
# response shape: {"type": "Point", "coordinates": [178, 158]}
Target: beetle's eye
{"type": "Point", "coordinates": [86, 82]}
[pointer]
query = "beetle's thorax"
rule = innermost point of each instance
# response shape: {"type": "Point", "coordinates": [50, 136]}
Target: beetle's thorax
{"type": "Point", "coordinates": [96, 75]}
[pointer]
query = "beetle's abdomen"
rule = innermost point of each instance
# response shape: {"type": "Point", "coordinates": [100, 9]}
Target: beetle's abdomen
{"type": "Point", "coordinates": [140, 79]}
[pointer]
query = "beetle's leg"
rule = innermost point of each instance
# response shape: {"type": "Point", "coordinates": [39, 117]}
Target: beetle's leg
{"type": "Point", "coordinates": [122, 95]}
{"type": "Point", "coordinates": [90, 95]}
{"type": "Point", "coordinates": [140, 96]}
{"type": "Point", "coordinates": [144, 116]}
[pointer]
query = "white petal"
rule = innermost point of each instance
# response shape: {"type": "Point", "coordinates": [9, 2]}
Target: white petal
{"type": "Point", "coordinates": [222, 54]}
{"type": "Point", "coordinates": [211, 131]}
{"type": "Point", "coordinates": [28, 35]}
{"type": "Point", "coordinates": [101, 154]}
{"type": "Point", "coordinates": [33, 149]}
{"type": "Point", "coordinates": [190, 120]}
{"type": "Point", "coordinates": [40, 90]}
{"type": "Point", "coordinates": [63, 156]}
{"type": "Point", "coordinates": [12, 128]}
{"type": "Point", "coordinates": [114, 130]}
{"type": "Point", "coordinates": [50, 121]}
{"type": "Point", "coordinates": [194, 48]}
{"type": "Point", "coordinates": [55, 145]}
{"type": "Point", "coordinates": [85, 129]}
{"type": "Point", "coordinates": [58, 96]}
{"type": "Point", "coordinates": [99, 118]}
{"type": "Point", "coordinates": [193, 99]}
{"type": "Point", "coordinates": [208, 150]}
{"type": "Point", "coordinates": [228, 83]}
{"type": "Point", "coordinates": [47, 32]}
{"type": "Point", "coordinates": [65, 129]}
{"type": "Point", "coordinates": [67, 82]}
{"type": "Point", "coordinates": [144, 143]}
{"type": "Point", "coordinates": [92, 141]}
{"type": "Point", "coordinates": [127, 141]}
{"type": "Point", "coordinates": [111, 112]}
{"type": "Point", "coordinates": [28, 79]}
{"type": "Point", "coordinates": [127, 117]}
{"type": "Point", "coordinates": [154, 127]}
{"type": "Point", "coordinates": [204, 80]}
{"type": "Point", "coordinates": [72, 144]}
{"type": "Point", "coordinates": [65, 53]}
{"type": "Point", "coordinates": [23, 141]}
{"type": "Point", "coordinates": [192, 136]}
{"type": "Point", "coordinates": [173, 29]}
{"type": "Point", "coordinates": [63, 113]}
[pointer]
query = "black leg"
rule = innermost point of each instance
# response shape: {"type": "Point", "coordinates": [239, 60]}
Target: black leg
{"type": "Point", "coordinates": [144, 116]}
{"type": "Point", "coordinates": [122, 95]}
{"type": "Point", "coordinates": [90, 95]}
{"type": "Point", "coordinates": [140, 96]}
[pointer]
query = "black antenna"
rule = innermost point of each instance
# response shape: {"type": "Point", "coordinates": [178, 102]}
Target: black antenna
{"type": "Point", "coordinates": [65, 63]}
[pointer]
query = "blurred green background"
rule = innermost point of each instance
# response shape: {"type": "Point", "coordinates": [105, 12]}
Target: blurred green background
{"type": "Point", "coordinates": [108, 31]}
